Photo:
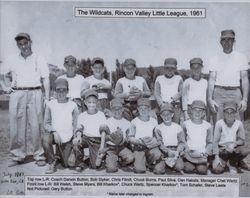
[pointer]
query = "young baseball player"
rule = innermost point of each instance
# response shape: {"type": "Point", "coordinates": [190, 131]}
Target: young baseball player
{"type": "Point", "coordinates": [172, 140]}
{"type": "Point", "coordinates": [99, 83]}
{"type": "Point", "coordinates": [199, 138]}
{"type": "Point", "coordinates": [168, 87]}
{"type": "Point", "coordinates": [116, 140]}
{"type": "Point", "coordinates": [76, 81]}
{"type": "Point", "coordinates": [130, 88]}
{"type": "Point", "coordinates": [194, 88]}
{"type": "Point", "coordinates": [142, 142]}
{"type": "Point", "coordinates": [90, 125]}
{"type": "Point", "coordinates": [229, 140]}
{"type": "Point", "coordinates": [60, 121]}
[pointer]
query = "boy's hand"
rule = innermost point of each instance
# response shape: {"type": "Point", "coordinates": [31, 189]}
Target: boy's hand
{"type": "Point", "coordinates": [242, 106]}
{"type": "Point", "coordinates": [57, 138]}
{"type": "Point", "coordinates": [214, 106]}
{"type": "Point", "coordinates": [216, 162]}
{"type": "Point", "coordinates": [77, 140]}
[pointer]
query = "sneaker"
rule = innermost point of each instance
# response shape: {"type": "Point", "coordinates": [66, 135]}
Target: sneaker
{"type": "Point", "coordinates": [78, 169]}
{"type": "Point", "coordinates": [51, 169]}
{"type": "Point", "coordinates": [14, 163]}
{"type": "Point", "coordinates": [233, 170]}
{"type": "Point", "coordinates": [243, 165]}
{"type": "Point", "coordinates": [40, 163]}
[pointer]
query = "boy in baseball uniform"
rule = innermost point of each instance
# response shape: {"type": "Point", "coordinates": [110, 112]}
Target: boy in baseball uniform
{"type": "Point", "coordinates": [194, 88]}
{"type": "Point", "coordinates": [172, 140]}
{"type": "Point", "coordinates": [90, 124]}
{"type": "Point", "coordinates": [199, 138]}
{"type": "Point", "coordinates": [60, 121]}
{"type": "Point", "coordinates": [142, 142]}
{"type": "Point", "coordinates": [76, 81]}
{"type": "Point", "coordinates": [99, 83]}
{"type": "Point", "coordinates": [116, 139]}
{"type": "Point", "coordinates": [130, 88]}
{"type": "Point", "coordinates": [229, 142]}
{"type": "Point", "coordinates": [168, 87]}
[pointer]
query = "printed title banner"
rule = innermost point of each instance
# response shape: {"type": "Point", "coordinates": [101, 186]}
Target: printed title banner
{"type": "Point", "coordinates": [139, 12]}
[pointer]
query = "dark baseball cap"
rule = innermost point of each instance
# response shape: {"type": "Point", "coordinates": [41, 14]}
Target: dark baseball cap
{"type": "Point", "coordinates": [170, 62]}
{"type": "Point", "coordinates": [227, 34]}
{"type": "Point", "coordinates": [166, 107]}
{"type": "Point", "coordinates": [69, 59]}
{"type": "Point", "coordinates": [129, 61]}
{"type": "Point", "coordinates": [196, 61]}
{"type": "Point", "coordinates": [143, 102]}
{"type": "Point", "coordinates": [97, 60]}
{"type": "Point", "coordinates": [22, 36]}
{"type": "Point", "coordinates": [115, 103]}
{"type": "Point", "coordinates": [89, 92]}
{"type": "Point", "coordinates": [61, 83]}
{"type": "Point", "coordinates": [198, 104]}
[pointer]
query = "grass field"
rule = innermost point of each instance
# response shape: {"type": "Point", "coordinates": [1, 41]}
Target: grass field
{"type": "Point", "coordinates": [31, 169]}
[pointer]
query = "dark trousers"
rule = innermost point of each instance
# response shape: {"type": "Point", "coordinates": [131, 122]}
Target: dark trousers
{"type": "Point", "coordinates": [63, 151]}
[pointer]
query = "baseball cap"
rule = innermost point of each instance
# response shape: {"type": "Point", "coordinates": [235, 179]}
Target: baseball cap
{"type": "Point", "coordinates": [61, 83]}
{"type": "Point", "coordinates": [166, 107]}
{"type": "Point", "coordinates": [21, 36]}
{"type": "Point", "coordinates": [89, 92]}
{"type": "Point", "coordinates": [69, 58]}
{"type": "Point", "coordinates": [129, 61]}
{"type": "Point", "coordinates": [143, 102]}
{"type": "Point", "coordinates": [227, 34]}
{"type": "Point", "coordinates": [115, 103]}
{"type": "Point", "coordinates": [97, 60]}
{"type": "Point", "coordinates": [230, 105]}
{"type": "Point", "coordinates": [198, 104]}
{"type": "Point", "coordinates": [196, 61]}
{"type": "Point", "coordinates": [170, 62]}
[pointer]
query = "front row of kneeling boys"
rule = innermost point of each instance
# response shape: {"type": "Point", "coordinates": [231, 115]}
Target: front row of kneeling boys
{"type": "Point", "coordinates": [142, 143]}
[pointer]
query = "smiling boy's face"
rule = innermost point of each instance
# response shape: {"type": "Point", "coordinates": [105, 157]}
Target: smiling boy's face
{"type": "Point", "coordinates": [197, 114]}
{"type": "Point", "coordinates": [71, 69]}
{"type": "Point", "coordinates": [91, 103]}
{"type": "Point", "coordinates": [229, 116]}
{"type": "Point", "coordinates": [167, 116]}
{"type": "Point", "coordinates": [98, 69]}
{"type": "Point", "coordinates": [61, 93]}
{"type": "Point", "coordinates": [170, 71]}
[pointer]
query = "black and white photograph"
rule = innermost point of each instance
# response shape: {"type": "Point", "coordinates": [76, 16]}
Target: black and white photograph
{"type": "Point", "coordinates": [124, 99]}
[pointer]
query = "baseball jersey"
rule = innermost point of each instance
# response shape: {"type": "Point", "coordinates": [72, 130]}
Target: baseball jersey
{"type": "Point", "coordinates": [26, 72]}
{"type": "Point", "coordinates": [143, 128]}
{"type": "Point", "coordinates": [229, 134]}
{"type": "Point", "coordinates": [91, 80]}
{"type": "Point", "coordinates": [91, 123]}
{"type": "Point", "coordinates": [123, 124]}
{"type": "Point", "coordinates": [76, 84]}
{"type": "Point", "coordinates": [194, 90]}
{"type": "Point", "coordinates": [228, 67]}
{"type": "Point", "coordinates": [61, 115]}
{"type": "Point", "coordinates": [128, 83]}
{"type": "Point", "coordinates": [169, 133]}
{"type": "Point", "coordinates": [168, 86]}
{"type": "Point", "coordinates": [196, 135]}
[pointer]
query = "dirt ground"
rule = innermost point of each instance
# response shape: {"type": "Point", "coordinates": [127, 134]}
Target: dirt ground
{"type": "Point", "coordinates": [30, 168]}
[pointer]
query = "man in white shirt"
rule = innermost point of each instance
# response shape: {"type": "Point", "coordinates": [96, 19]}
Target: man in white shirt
{"type": "Point", "coordinates": [26, 101]}
{"type": "Point", "coordinates": [228, 78]}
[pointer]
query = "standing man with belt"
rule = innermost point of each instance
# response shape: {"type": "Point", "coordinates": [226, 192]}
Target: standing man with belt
{"type": "Point", "coordinates": [228, 78]}
{"type": "Point", "coordinates": [26, 103]}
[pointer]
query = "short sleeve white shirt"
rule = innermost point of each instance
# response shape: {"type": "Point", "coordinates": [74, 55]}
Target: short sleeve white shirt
{"type": "Point", "coordinates": [26, 72]}
{"type": "Point", "coordinates": [143, 128]}
{"type": "Point", "coordinates": [169, 133]}
{"type": "Point", "coordinates": [123, 124]}
{"type": "Point", "coordinates": [168, 86]}
{"type": "Point", "coordinates": [228, 67]}
{"type": "Point", "coordinates": [62, 118]}
{"type": "Point", "coordinates": [128, 83]}
{"type": "Point", "coordinates": [91, 80]}
{"type": "Point", "coordinates": [91, 123]}
{"type": "Point", "coordinates": [75, 85]}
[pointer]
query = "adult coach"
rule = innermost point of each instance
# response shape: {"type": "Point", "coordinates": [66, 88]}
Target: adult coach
{"type": "Point", "coordinates": [228, 77]}
{"type": "Point", "coordinates": [26, 103]}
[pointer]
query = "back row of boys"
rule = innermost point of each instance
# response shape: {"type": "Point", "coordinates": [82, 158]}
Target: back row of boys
{"type": "Point", "coordinates": [142, 142]}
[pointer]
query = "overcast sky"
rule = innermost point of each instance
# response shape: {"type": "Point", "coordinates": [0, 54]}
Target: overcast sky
{"type": "Point", "coordinates": [56, 32]}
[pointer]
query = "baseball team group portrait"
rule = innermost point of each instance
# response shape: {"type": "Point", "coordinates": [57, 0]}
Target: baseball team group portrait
{"type": "Point", "coordinates": [125, 96]}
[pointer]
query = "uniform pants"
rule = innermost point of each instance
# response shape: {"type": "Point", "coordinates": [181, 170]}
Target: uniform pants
{"type": "Point", "coordinates": [234, 158]}
{"type": "Point", "coordinates": [63, 150]}
{"type": "Point", "coordinates": [112, 157]}
{"type": "Point", "coordinates": [221, 96]}
{"type": "Point", "coordinates": [26, 124]}
{"type": "Point", "coordinates": [93, 143]}
{"type": "Point", "coordinates": [143, 157]}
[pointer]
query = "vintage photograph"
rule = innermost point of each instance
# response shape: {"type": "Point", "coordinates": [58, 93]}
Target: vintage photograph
{"type": "Point", "coordinates": [123, 99]}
